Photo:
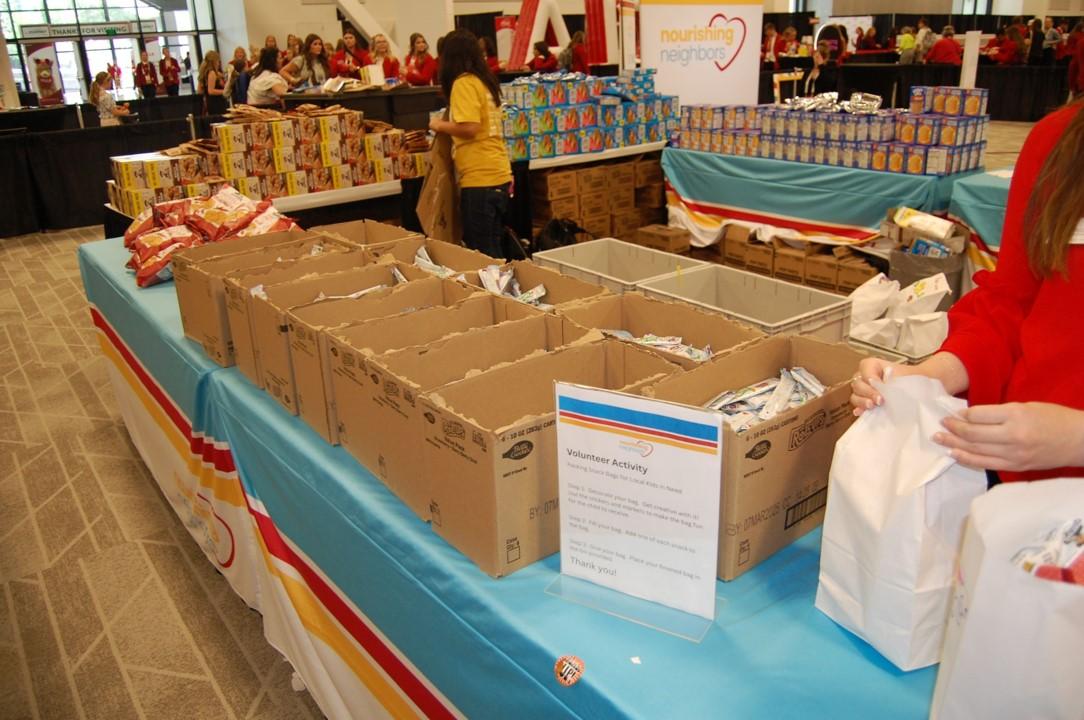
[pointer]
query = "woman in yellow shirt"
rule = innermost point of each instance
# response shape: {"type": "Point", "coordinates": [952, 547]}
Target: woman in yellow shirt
{"type": "Point", "coordinates": [478, 149]}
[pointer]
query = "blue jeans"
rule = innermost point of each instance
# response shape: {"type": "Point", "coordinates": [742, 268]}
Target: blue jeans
{"type": "Point", "coordinates": [482, 211]}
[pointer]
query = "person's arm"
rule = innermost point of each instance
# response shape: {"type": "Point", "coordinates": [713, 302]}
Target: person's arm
{"type": "Point", "coordinates": [465, 106]}
{"type": "Point", "coordinates": [280, 88]}
{"type": "Point", "coordinates": [289, 69]}
{"type": "Point", "coordinates": [214, 87]}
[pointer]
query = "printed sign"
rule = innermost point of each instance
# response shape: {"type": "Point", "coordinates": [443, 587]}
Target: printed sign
{"type": "Point", "coordinates": [639, 487]}
{"type": "Point", "coordinates": [704, 52]}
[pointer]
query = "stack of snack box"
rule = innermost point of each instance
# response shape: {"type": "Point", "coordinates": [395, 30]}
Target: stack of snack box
{"type": "Point", "coordinates": [291, 155]}
{"type": "Point", "coordinates": [552, 115]}
{"type": "Point", "coordinates": [943, 133]}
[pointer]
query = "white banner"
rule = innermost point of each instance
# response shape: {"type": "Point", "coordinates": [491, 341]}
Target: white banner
{"type": "Point", "coordinates": [972, 40]}
{"type": "Point", "coordinates": [639, 495]}
{"type": "Point", "coordinates": [705, 52]}
{"type": "Point", "coordinates": [505, 26]}
{"type": "Point", "coordinates": [45, 73]}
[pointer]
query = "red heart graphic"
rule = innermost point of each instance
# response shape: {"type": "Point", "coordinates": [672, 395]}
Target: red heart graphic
{"type": "Point", "coordinates": [744, 32]}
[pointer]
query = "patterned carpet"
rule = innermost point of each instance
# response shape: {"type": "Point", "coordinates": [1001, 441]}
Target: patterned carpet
{"type": "Point", "coordinates": [107, 607]}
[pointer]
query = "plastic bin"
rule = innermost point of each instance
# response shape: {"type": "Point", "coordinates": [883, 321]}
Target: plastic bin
{"type": "Point", "coordinates": [886, 353]}
{"type": "Point", "coordinates": [614, 264]}
{"type": "Point", "coordinates": [772, 306]}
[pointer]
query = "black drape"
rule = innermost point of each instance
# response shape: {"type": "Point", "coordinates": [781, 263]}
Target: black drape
{"type": "Point", "coordinates": [21, 214]}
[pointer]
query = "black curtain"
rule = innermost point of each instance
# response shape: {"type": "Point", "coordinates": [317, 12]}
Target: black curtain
{"type": "Point", "coordinates": [22, 211]}
{"type": "Point", "coordinates": [799, 21]}
{"type": "Point", "coordinates": [481, 24]}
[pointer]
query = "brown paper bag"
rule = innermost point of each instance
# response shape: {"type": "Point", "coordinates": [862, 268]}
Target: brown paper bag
{"type": "Point", "coordinates": [438, 204]}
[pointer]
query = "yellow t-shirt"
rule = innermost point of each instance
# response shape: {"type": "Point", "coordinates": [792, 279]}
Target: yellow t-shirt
{"type": "Point", "coordinates": [483, 160]}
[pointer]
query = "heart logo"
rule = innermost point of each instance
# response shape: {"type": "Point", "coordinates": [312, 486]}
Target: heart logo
{"type": "Point", "coordinates": [727, 21]}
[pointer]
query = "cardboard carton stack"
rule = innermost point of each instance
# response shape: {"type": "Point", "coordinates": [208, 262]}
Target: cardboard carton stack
{"type": "Point", "coordinates": [943, 134]}
{"type": "Point", "coordinates": [551, 115]}
{"type": "Point", "coordinates": [837, 269]}
{"type": "Point", "coordinates": [267, 159]}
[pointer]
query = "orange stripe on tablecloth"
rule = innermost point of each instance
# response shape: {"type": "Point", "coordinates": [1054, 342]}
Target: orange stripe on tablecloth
{"type": "Point", "coordinates": [227, 490]}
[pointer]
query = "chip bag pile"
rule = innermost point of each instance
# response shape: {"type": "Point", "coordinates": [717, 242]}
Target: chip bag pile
{"type": "Point", "coordinates": [167, 227]}
{"type": "Point", "coordinates": [756, 403]}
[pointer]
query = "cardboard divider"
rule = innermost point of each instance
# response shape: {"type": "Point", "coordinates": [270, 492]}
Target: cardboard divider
{"type": "Point", "coordinates": [560, 290]}
{"type": "Point", "coordinates": [377, 236]}
{"type": "Point", "coordinates": [641, 315]}
{"type": "Point", "coordinates": [775, 474]}
{"type": "Point", "coordinates": [492, 464]}
{"type": "Point", "coordinates": [454, 257]}
{"type": "Point", "coordinates": [308, 326]}
{"type": "Point", "coordinates": [239, 288]}
{"type": "Point", "coordinates": [382, 425]}
{"type": "Point", "coordinates": [270, 330]}
{"type": "Point", "coordinates": [198, 273]}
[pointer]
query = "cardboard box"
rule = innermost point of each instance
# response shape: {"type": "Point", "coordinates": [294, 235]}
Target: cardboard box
{"type": "Point", "coordinates": [653, 195]}
{"type": "Point", "coordinates": [240, 288]}
{"type": "Point", "coordinates": [592, 180]}
{"type": "Point", "coordinates": [625, 224]}
{"type": "Point", "coordinates": [663, 237]}
{"type": "Point", "coordinates": [493, 466]}
{"type": "Point", "coordinates": [621, 175]}
{"type": "Point", "coordinates": [822, 271]}
{"type": "Point", "coordinates": [622, 197]}
{"type": "Point", "coordinates": [566, 207]}
{"type": "Point", "coordinates": [853, 272]}
{"type": "Point", "coordinates": [197, 276]}
{"type": "Point", "coordinates": [268, 320]}
{"type": "Point", "coordinates": [775, 475]}
{"type": "Point", "coordinates": [790, 262]}
{"type": "Point", "coordinates": [594, 203]}
{"type": "Point", "coordinates": [599, 226]}
{"type": "Point", "coordinates": [648, 172]}
{"type": "Point", "coordinates": [560, 290]}
{"type": "Point", "coordinates": [554, 184]}
{"type": "Point", "coordinates": [652, 216]}
{"type": "Point", "coordinates": [381, 421]}
{"type": "Point", "coordinates": [735, 244]}
{"type": "Point", "coordinates": [309, 352]}
{"type": "Point", "coordinates": [760, 258]}
{"type": "Point", "coordinates": [461, 259]}
{"type": "Point", "coordinates": [377, 236]}
{"type": "Point", "coordinates": [641, 316]}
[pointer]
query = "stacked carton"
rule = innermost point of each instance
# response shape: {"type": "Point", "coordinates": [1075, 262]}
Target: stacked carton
{"type": "Point", "coordinates": [290, 155]}
{"type": "Point", "coordinates": [943, 134]}
{"type": "Point", "coordinates": [555, 115]}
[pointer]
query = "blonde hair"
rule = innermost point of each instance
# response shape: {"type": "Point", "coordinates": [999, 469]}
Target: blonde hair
{"type": "Point", "coordinates": [96, 87]}
{"type": "Point", "coordinates": [211, 61]}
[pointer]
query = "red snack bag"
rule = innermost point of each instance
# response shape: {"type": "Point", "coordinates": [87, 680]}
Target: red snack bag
{"type": "Point", "coordinates": [154, 241]}
{"type": "Point", "coordinates": [171, 213]}
{"type": "Point", "coordinates": [143, 222]}
{"type": "Point", "coordinates": [157, 268]}
{"type": "Point", "coordinates": [268, 221]}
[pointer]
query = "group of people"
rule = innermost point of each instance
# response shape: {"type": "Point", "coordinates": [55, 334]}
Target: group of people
{"type": "Point", "coordinates": [1039, 42]}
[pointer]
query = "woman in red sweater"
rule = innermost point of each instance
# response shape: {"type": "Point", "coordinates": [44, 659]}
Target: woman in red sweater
{"type": "Point", "coordinates": [489, 52]}
{"type": "Point", "coordinates": [577, 53]}
{"type": "Point", "coordinates": [1010, 51]}
{"type": "Point", "coordinates": [421, 68]}
{"type": "Point", "coordinates": [1011, 346]}
{"type": "Point", "coordinates": [543, 61]}
{"type": "Point", "coordinates": [945, 51]}
{"type": "Point", "coordinates": [349, 61]}
{"type": "Point", "coordinates": [382, 54]}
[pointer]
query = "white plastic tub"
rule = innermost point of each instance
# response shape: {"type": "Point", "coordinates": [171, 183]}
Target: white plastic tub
{"type": "Point", "coordinates": [773, 306]}
{"type": "Point", "coordinates": [614, 264]}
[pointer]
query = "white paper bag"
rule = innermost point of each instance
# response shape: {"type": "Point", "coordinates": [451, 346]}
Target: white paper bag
{"type": "Point", "coordinates": [883, 333]}
{"type": "Point", "coordinates": [872, 299]}
{"type": "Point", "coordinates": [896, 506]}
{"type": "Point", "coordinates": [922, 334]}
{"type": "Point", "coordinates": [1013, 641]}
{"type": "Point", "coordinates": [920, 297]}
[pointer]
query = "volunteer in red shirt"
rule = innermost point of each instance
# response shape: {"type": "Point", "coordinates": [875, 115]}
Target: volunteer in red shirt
{"type": "Point", "coordinates": [489, 52]}
{"type": "Point", "coordinates": [349, 61]}
{"type": "Point", "coordinates": [1011, 345]}
{"type": "Point", "coordinates": [946, 51]}
{"type": "Point", "coordinates": [543, 61]}
{"type": "Point", "coordinates": [171, 73]}
{"type": "Point", "coordinates": [578, 53]}
{"type": "Point", "coordinates": [421, 68]}
{"type": "Point", "coordinates": [1009, 52]}
{"type": "Point", "coordinates": [146, 77]}
{"type": "Point", "coordinates": [773, 46]}
{"type": "Point", "coordinates": [1068, 48]}
{"type": "Point", "coordinates": [382, 54]}
{"type": "Point", "coordinates": [1076, 72]}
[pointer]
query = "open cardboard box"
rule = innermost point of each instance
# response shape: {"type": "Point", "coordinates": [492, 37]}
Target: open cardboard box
{"type": "Point", "coordinates": [270, 336]}
{"type": "Point", "coordinates": [382, 419]}
{"type": "Point", "coordinates": [641, 315]}
{"type": "Point", "coordinates": [308, 326]}
{"type": "Point", "coordinates": [377, 236]}
{"type": "Point", "coordinates": [198, 273]}
{"type": "Point", "coordinates": [455, 257]}
{"type": "Point", "coordinates": [239, 299]}
{"type": "Point", "coordinates": [560, 289]}
{"type": "Point", "coordinates": [490, 449]}
{"type": "Point", "coordinates": [775, 474]}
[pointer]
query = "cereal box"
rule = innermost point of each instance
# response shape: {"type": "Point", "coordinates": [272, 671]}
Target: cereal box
{"type": "Point", "coordinates": [629, 113]}
{"type": "Point", "coordinates": [937, 161]}
{"type": "Point", "coordinates": [741, 143]}
{"type": "Point", "coordinates": [906, 128]}
{"type": "Point", "coordinates": [833, 152]}
{"type": "Point", "coordinates": [374, 146]}
{"type": "Point", "coordinates": [779, 148]}
{"type": "Point", "coordinates": [897, 157]}
{"type": "Point", "coordinates": [353, 148]}
{"type": "Point", "coordinates": [953, 131]}
{"type": "Point", "coordinates": [835, 126]}
{"type": "Point", "coordinates": [780, 121]}
{"type": "Point", "coordinates": [591, 138]}
{"type": "Point", "coordinates": [297, 183]}
{"type": "Point", "coordinates": [971, 131]}
{"type": "Point", "coordinates": [517, 123]}
{"type": "Point", "coordinates": [850, 128]}
{"type": "Point", "coordinates": [342, 176]}
{"type": "Point", "coordinates": [805, 150]}
{"type": "Point", "coordinates": [862, 153]}
{"type": "Point", "coordinates": [320, 180]}
{"type": "Point", "coordinates": [365, 172]}
{"type": "Point", "coordinates": [568, 119]}
{"type": "Point", "coordinates": [230, 136]}
{"type": "Point", "coordinates": [861, 128]}
{"type": "Point", "coordinates": [353, 123]}
{"type": "Point", "coordinates": [879, 153]}
{"type": "Point", "coordinates": [921, 99]}
{"type": "Point", "coordinates": [805, 125]}
{"type": "Point", "coordinates": [517, 150]}
{"type": "Point", "coordinates": [232, 165]}
{"type": "Point", "coordinates": [283, 132]}
{"type": "Point", "coordinates": [567, 144]}
{"type": "Point", "coordinates": [654, 132]}
{"type": "Point", "coordinates": [588, 115]}
{"type": "Point", "coordinates": [975, 101]}
{"type": "Point", "coordinates": [820, 152]}
{"type": "Point", "coordinates": [555, 92]}
{"type": "Point", "coordinates": [790, 149]}
{"type": "Point", "coordinates": [820, 125]}
{"type": "Point", "coordinates": [543, 146]}
{"type": "Point", "coordinates": [285, 158]}
{"type": "Point", "coordinates": [308, 130]}
{"type": "Point", "coordinates": [331, 128]}
{"type": "Point", "coordinates": [954, 101]}
{"type": "Point", "coordinates": [793, 123]}
{"type": "Point", "coordinates": [916, 159]}
{"type": "Point", "coordinates": [752, 142]}
{"type": "Point", "coordinates": [540, 96]}
{"type": "Point", "coordinates": [846, 154]}
{"type": "Point", "coordinates": [765, 146]}
{"type": "Point", "coordinates": [928, 131]}
{"type": "Point", "coordinates": [939, 95]}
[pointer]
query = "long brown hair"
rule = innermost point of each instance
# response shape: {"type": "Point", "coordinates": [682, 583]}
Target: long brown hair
{"type": "Point", "coordinates": [461, 55]}
{"type": "Point", "coordinates": [1057, 202]}
{"type": "Point", "coordinates": [97, 87]}
{"type": "Point", "coordinates": [312, 58]}
{"type": "Point", "coordinates": [211, 61]}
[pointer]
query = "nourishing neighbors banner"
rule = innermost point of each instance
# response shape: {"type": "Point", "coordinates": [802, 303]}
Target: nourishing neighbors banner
{"type": "Point", "coordinates": [705, 52]}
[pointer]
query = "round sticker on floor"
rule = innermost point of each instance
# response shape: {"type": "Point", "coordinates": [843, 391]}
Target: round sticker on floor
{"type": "Point", "coordinates": [568, 669]}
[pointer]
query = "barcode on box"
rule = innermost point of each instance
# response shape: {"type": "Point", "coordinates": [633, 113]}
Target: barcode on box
{"type": "Point", "coordinates": [804, 508]}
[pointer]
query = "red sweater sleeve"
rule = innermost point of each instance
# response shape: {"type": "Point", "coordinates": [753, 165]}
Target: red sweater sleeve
{"type": "Point", "coordinates": [984, 326]}
{"type": "Point", "coordinates": [391, 68]}
{"type": "Point", "coordinates": [579, 59]}
{"type": "Point", "coordinates": [1006, 53]}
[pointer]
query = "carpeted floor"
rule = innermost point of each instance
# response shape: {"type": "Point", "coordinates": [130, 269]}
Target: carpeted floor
{"type": "Point", "coordinates": [108, 610]}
